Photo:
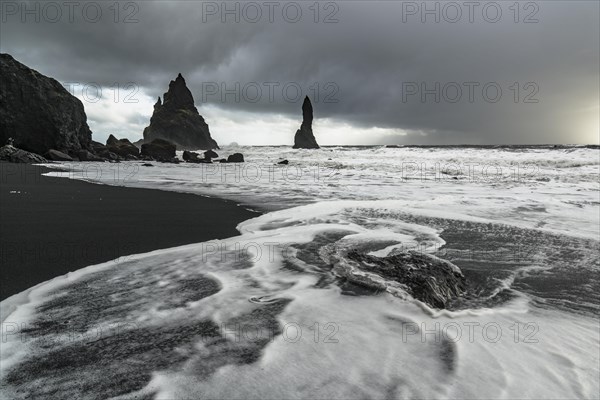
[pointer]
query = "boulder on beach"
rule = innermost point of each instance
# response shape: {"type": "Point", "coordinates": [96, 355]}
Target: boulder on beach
{"type": "Point", "coordinates": [236, 158]}
{"type": "Point", "coordinates": [191, 157]}
{"type": "Point", "coordinates": [38, 112]}
{"type": "Point", "coordinates": [56, 155]}
{"type": "Point", "coordinates": [305, 139]}
{"type": "Point", "coordinates": [210, 154]}
{"type": "Point", "coordinates": [122, 147]}
{"type": "Point", "coordinates": [102, 151]}
{"type": "Point", "coordinates": [160, 150]}
{"type": "Point", "coordinates": [427, 278]}
{"type": "Point", "coordinates": [177, 120]}
{"type": "Point", "coordinates": [85, 155]}
{"type": "Point", "coordinates": [12, 154]}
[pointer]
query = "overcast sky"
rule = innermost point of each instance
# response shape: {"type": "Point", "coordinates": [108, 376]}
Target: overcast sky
{"type": "Point", "coordinates": [377, 72]}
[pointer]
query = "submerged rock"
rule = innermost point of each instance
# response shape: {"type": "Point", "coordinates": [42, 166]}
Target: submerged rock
{"type": "Point", "coordinates": [178, 121]}
{"type": "Point", "coordinates": [305, 139]}
{"type": "Point", "coordinates": [427, 278]}
{"type": "Point", "coordinates": [38, 112]}
{"type": "Point", "coordinates": [12, 154]}
{"type": "Point", "coordinates": [159, 149]}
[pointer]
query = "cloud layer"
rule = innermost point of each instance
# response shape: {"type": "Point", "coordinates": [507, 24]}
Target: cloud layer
{"type": "Point", "coordinates": [483, 74]}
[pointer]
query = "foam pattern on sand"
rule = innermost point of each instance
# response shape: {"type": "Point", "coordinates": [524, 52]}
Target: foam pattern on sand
{"type": "Point", "coordinates": [263, 315]}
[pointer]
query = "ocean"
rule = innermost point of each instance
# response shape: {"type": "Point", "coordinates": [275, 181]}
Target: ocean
{"type": "Point", "coordinates": [276, 312]}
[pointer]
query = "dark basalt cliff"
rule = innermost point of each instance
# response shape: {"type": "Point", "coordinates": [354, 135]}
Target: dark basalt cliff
{"type": "Point", "coordinates": [177, 120]}
{"type": "Point", "coordinates": [38, 112]}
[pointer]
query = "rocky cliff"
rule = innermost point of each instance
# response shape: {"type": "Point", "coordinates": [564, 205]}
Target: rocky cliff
{"type": "Point", "coordinates": [38, 112]}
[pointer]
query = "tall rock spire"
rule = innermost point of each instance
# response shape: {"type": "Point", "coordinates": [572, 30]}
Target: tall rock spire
{"type": "Point", "coordinates": [179, 96]}
{"type": "Point", "coordinates": [177, 120]}
{"type": "Point", "coordinates": [305, 139]}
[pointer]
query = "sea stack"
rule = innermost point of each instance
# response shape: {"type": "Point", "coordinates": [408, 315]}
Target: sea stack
{"type": "Point", "coordinates": [177, 120]}
{"type": "Point", "coordinates": [304, 138]}
{"type": "Point", "coordinates": [38, 113]}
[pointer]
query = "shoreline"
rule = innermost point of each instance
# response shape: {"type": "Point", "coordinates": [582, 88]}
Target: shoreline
{"type": "Point", "coordinates": [52, 226]}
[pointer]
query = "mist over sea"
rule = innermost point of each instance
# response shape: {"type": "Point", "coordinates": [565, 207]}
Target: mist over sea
{"type": "Point", "coordinates": [268, 314]}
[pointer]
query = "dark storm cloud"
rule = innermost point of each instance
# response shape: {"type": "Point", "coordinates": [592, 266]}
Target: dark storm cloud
{"type": "Point", "coordinates": [369, 61]}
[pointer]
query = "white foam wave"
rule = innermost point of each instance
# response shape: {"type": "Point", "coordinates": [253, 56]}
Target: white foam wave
{"type": "Point", "coordinates": [331, 345]}
{"type": "Point", "coordinates": [542, 188]}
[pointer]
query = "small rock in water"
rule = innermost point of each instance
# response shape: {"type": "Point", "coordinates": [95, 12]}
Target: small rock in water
{"type": "Point", "coordinates": [427, 278]}
{"type": "Point", "coordinates": [284, 162]}
{"type": "Point", "coordinates": [190, 156]}
{"type": "Point", "coordinates": [236, 158]}
{"type": "Point", "coordinates": [210, 154]}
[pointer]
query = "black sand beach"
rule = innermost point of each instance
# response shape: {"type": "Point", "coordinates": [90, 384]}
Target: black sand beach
{"type": "Point", "coordinates": [51, 226]}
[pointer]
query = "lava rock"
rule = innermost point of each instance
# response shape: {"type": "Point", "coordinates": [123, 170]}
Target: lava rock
{"type": "Point", "coordinates": [102, 151]}
{"type": "Point", "coordinates": [427, 278]}
{"type": "Point", "coordinates": [305, 139]}
{"type": "Point", "coordinates": [236, 158]}
{"type": "Point", "coordinates": [56, 155]}
{"type": "Point", "coordinates": [12, 154]}
{"type": "Point", "coordinates": [38, 112]}
{"type": "Point", "coordinates": [223, 161]}
{"type": "Point", "coordinates": [160, 150]}
{"type": "Point", "coordinates": [210, 154]}
{"type": "Point", "coordinates": [190, 156]}
{"type": "Point", "coordinates": [85, 155]}
{"type": "Point", "coordinates": [122, 147]}
{"type": "Point", "coordinates": [178, 121]}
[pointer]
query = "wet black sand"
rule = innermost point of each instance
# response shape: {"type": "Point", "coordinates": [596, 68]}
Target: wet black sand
{"type": "Point", "coordinates": [51, 226]}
